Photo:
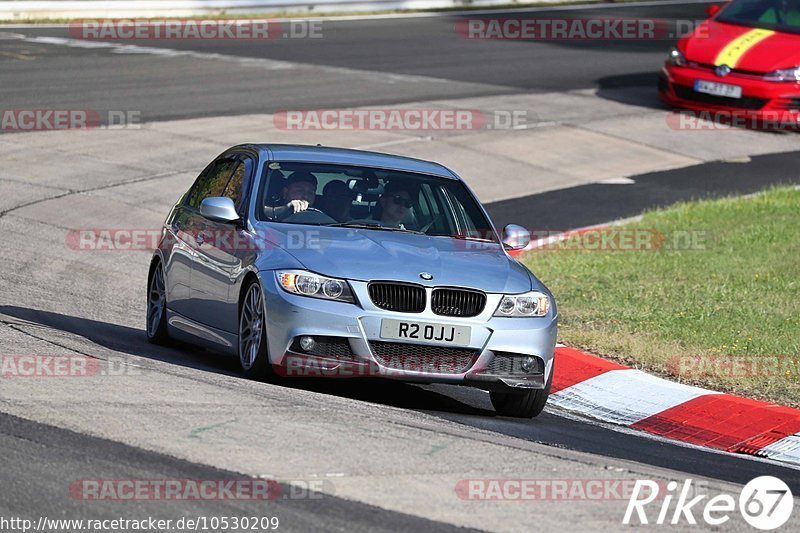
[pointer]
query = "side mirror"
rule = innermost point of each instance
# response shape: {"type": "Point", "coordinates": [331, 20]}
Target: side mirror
{"type": "Point", "coordinates": [713, 9]}
{"type": "Point", "coordinates": [219, 209]}
{"type": "Point", "coordinates": [515, 237]}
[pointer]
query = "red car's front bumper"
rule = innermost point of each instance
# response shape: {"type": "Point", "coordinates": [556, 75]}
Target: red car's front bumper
{"type": "Point", "coordinates": [769, 103]}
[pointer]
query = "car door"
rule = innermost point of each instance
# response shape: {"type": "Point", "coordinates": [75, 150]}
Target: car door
{"type": "Point", "coordinates": [191, 228]}
{"type": "Point", "coordinates": [221, 250]}
{"type": "Point", "coordinates": [181, 253]}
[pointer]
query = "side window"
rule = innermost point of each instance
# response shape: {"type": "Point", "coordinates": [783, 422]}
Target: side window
{"type": "Point", "coordinates": [239, 183]}
{"type": "Point", "coordinates": [212, 182]}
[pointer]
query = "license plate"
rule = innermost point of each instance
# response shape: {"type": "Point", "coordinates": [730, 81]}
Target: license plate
{"type": "Point", "coordinates": [717, 89]}
{"type": "Point", "coordinates": [425, 332]}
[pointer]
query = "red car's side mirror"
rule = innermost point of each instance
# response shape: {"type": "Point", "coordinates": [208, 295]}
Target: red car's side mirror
{"type": "Point", "coordinates": [713, 9]}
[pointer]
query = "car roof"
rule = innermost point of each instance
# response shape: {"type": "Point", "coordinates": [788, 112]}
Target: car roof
{"type": "Point", "coordinates": [346, 156]}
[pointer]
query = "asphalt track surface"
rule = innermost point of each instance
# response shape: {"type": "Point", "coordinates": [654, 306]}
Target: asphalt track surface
{"type": "Point", "coordinates": [463, 405]}
{"type": "Point", "coordinates": [42, 457]}
{"type": "Point", "coordinates": [597, 203]}
{"type": "Point", "coordinates": [439, 62]}
{"type": "Point", "coordinates": [51, 455]}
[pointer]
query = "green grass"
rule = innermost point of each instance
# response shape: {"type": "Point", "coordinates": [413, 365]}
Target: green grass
{"type": "Point", "coordinates": [733, 297]}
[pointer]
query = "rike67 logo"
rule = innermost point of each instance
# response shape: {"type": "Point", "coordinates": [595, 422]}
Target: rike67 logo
{"type": "Point", "coordinates": [765, 503]}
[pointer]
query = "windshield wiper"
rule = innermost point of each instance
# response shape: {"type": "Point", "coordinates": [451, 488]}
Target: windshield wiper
{"type": "Point", "coordinates": [377, 225]}
{"type": "Point", "coordinates": [463, 237]}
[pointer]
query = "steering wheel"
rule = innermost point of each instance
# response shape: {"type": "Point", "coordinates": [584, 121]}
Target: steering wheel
{"type": "Point", "coordinates": [311, 215]}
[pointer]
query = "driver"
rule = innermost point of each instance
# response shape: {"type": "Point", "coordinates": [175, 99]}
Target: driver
{"type": "Point", "coordinates": [298, 194]}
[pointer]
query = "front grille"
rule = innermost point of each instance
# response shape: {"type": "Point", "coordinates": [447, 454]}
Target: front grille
{"type": "Point", "coordinates": [333, 347]}
{"type": "Point", "coordinates": [508, 364]}
{"type": "Point", "coordinates": [457, 302]}
{"type": "Point", "coordinates": [734, 71]}
{"type": "Point", "coordinates": [745, 102]}
{"type": "Point", "coordinates": [422, 358]}
{"type": "Point", "coordinates": [400, 297]}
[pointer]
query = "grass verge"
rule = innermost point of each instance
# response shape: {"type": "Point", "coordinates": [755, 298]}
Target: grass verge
{"type": "Point", "coordinates": [714, 300]}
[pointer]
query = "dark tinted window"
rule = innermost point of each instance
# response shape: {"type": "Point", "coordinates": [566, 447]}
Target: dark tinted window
{"type": "Point", "coordinates": [380, 198]}
{"type": "Point", "coordinates": [211, 182]}
{"type": "Point", "coordinates": [780, 15]}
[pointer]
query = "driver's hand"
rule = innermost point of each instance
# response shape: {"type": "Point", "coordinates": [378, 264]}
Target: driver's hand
{"type": "Point", "coordinates": [297, 205]}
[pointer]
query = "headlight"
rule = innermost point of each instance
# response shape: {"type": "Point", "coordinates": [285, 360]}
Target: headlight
{"type": "Point", "coordinates": [791, 75]}
{"type": "Point", "coordinates": [309, 284]}
{"type": "Point", "coordinates": [676, 58]}
{"type": "Point", "coordinates": [528, 304]}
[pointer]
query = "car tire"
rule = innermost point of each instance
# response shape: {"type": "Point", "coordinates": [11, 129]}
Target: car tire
{"type": "Point", "coordinates": [528, 404]}
{"type": "Point", "coordinates": [156, 327]}
{"type": "Point", "coordinates": [252, 343]}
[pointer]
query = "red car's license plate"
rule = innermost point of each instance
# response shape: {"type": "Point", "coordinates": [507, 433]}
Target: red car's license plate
{"type": "Point", "coordinates": [718, 89]}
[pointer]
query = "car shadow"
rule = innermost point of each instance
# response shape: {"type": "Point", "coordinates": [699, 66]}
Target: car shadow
{"type": "Point", "coordinates": [132, 341]}
{"type": "Point", "coordinates": [119, 338]}
{"type": "Point", "coordinates": [391, 393]}
{"type": "Point", "coordinates": [639, 89]}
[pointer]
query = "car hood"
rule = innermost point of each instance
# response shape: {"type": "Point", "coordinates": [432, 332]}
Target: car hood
{"type": "Point", "coordinates": [761, 51]}
{"type": "Point", "coordinates": [366, 255]}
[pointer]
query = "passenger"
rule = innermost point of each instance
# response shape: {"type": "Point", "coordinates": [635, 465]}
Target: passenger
{"type": "Point", "coordinates": [395, 203]}
{"type": "Point", "coordinates": [337, 199]}
{"type": "Point", "coordinates": [299, 194]}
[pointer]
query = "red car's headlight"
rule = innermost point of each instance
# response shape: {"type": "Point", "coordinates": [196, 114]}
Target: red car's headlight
{"type": "Point", "coordinates": [791, 75]}
{"type": "Point", "coordinates": [676, 58]}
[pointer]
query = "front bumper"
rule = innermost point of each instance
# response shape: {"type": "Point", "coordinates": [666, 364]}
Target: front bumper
{"type": "Point", "coordinates": [766, 103]}
{"type": "Point", "coordinates": [492, 341]}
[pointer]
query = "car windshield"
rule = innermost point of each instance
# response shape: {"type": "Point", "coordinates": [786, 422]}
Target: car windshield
{"type": "Point", "coordinates": [371, 198]}
{"type": "Point", "coordinates": [779, 15]}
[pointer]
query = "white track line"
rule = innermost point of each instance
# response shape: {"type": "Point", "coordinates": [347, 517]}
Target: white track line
{"type": "Point", "coordinates": [267, 64]}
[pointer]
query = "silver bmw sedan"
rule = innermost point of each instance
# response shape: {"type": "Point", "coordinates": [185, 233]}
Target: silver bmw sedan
{"type": "Point", "coordinates": [306, 261]}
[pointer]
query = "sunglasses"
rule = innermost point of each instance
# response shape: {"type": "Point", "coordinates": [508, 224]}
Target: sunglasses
{"type": "Point", "coordinates": [399, 200]}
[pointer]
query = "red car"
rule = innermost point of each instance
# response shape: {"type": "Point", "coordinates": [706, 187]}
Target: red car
{"type": "Point", "coordinates": [742, 62]}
